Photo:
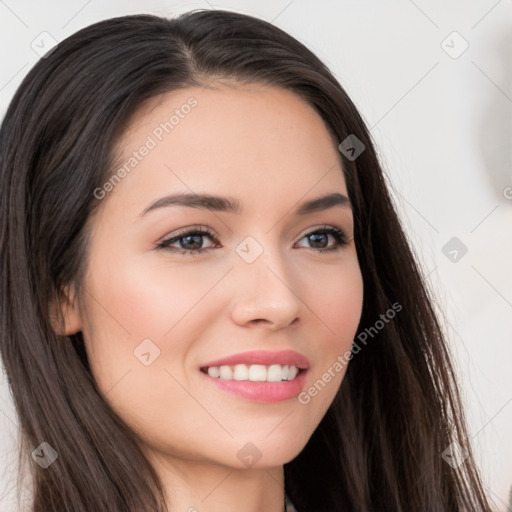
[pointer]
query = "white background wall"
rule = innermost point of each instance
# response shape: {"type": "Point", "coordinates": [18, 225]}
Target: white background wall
{"type": "Point", "coordinates": [444, 129]}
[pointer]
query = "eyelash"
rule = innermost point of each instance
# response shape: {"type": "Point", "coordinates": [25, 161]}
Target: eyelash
{"type": "Point", "coordinates": [338, 234]}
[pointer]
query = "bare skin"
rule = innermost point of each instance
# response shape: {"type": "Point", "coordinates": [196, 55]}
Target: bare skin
{"type": "Point", "coordinates": [271, 151]}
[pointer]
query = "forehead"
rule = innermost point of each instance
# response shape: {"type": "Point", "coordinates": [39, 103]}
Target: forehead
{"type": "Point", "coordinates": [253, 137]}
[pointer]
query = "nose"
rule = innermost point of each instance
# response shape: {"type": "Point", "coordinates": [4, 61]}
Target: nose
{"type": "Point", "coordinates": [265, 292]}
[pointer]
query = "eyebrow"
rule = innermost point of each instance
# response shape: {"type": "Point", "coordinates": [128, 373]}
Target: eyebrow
{"type": "Point", "coordinates": [232, 205]}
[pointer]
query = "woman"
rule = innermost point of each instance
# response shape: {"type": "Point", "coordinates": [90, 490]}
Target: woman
{"type": "Point", "coordinates": [208, 301]}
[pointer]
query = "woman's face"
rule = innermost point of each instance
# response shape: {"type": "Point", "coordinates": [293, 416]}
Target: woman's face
{"type": "Point", "coordinates": [154, 317]}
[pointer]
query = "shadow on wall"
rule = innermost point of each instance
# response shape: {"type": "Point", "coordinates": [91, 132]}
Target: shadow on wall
{"type": "Point", "coordinates": [496, 123]}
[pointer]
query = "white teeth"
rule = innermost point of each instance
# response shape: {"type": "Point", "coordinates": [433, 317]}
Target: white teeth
{"type": "Point", "coordinates": [240, 372]}
{"type": "Point", "coordinates": [254, 372]}
{"type": "Point", "coordinates": [275, 373]}
{"type": "Point", "coordinates": [292, 372]}
{"type": "Point", "coordinates": [226, 372]}
{"type": "Point", "coordinates": [213, 371]}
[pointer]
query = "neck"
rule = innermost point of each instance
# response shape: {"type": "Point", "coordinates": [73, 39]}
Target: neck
{"type": "Point", "coordinates": [200, 486]}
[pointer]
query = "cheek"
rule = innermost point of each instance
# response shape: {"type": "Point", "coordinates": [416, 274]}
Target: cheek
{"type": "Point", "coordinates": [336, 301]}
{"type": "Point", "coordinates": [133, 361]}
{"type": "Point", "coordinates": [336, 298]}
{"type": "Point", "coordinates": [148, 300]}
{"type": "Point", "coordinates": [343, 310]}
{"type": "Point", "coordinates": [140, 313]}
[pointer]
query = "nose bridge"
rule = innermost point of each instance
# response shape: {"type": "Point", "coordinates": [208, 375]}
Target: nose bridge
{"type": "Point", "coordinates": [263, 258]}
{"type": "Point", "coordinates": [266, 282]}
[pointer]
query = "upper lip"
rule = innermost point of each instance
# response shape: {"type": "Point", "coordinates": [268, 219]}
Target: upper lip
{"type": "Point", "coordinates": [264, 357]}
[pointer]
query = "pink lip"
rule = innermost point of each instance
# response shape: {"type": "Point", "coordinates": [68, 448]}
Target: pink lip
{"type": "Point", "coordinates": [264, 392]}
{"type": "Point", "coordinates": [265, 357]}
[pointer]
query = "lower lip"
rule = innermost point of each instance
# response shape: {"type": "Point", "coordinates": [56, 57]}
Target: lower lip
{"type": "Point", "coordinates": [265, 392]}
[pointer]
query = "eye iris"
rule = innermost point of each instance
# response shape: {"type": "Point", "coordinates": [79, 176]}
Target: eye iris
{"type": "Point", "coordinates": [197, 239]}
{"type": "Point", "coordinates": [314, 238]}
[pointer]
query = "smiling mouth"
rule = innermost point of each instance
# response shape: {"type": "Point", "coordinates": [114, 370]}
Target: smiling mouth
{"type": "Point", "coordinates": [253, 372]}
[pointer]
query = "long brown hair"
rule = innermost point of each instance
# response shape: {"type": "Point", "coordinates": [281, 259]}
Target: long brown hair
{"type": "Point", "coordinates": [380, 445]}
